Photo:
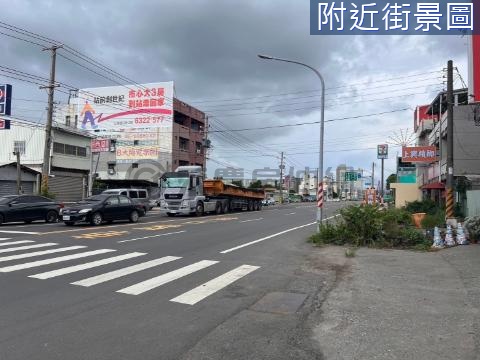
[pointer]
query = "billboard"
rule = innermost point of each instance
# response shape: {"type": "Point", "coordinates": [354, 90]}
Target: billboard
{"type": "Point", "coordinates": [382, 151]}
{"type": "Point", "coordinates": [6, 99]}
{"type": "Point", "coordinates": [100, 145]}
{"type": "Point", "coordinates": [426, 154]}
{"type": "Point", "coordinates": [138, 116]}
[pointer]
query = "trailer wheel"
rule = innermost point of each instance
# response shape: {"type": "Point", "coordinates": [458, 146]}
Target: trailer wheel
{"type": "Point", "coordinates": [257, 206]}
{"type": "Point", "coordinates": [199, 210]}
{"type": "Point", "coordinates": [218, 208]}
{"type": "Point", "coordinates": [250, 205]}
{"type": "Point", "coordinates": [226, 207]}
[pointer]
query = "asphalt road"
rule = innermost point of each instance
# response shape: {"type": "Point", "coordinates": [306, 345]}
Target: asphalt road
{"type": "Point", "coordinates": [158, 289]}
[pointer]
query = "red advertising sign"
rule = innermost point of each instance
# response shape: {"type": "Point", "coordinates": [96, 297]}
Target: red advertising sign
{"type": "Point", "coordinates": [4, 124]}
{"type": "Point", "coordinates": [425, 154]}
{"type": "Point", "coordinates": [474, 67]}
{"type": "Point", "coordinates": [100, 145]}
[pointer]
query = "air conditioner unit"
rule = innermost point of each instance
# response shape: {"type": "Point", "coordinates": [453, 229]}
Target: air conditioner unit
{"type": "Point", "coordinates": [199, 151]}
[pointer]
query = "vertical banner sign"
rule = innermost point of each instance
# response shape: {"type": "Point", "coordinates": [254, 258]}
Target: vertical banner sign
{"type": "Point", "coordinates": [475, 67]}
{"type": "Point", "coordinates": [5, 99]}
{"type": "Point", "coordinates": [382, 151]}
{"type": "Point", "coordinates": [320, 195]}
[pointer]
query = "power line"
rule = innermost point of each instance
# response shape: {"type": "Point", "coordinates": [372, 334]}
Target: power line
{"type": "Point", "coordinates": [316, 90]}
{"type": "Point", "coordinates": [312, 122]}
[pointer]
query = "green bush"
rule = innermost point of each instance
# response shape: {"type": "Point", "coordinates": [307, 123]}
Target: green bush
{"type": "Point", "coordinates": [370, 226]}
{"type": "Point", "coordinates": [437, 219]}
{"type": "Point", "coordinates": [426, 206]}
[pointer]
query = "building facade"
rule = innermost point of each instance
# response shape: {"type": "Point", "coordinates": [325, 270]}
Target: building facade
{"type": "Point", "coordinates": [70, 157]}
{"type": "Point", "coordinates": [148, 130]}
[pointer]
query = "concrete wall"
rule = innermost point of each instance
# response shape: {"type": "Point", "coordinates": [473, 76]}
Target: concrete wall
{"type": "Point", "coordinates": [405, 193]}
{"type": "Point", "coordinates": [466, 152]}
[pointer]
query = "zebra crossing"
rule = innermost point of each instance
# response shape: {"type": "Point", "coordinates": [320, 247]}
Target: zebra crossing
{"type": "Point", "coordinates": [27, 249]}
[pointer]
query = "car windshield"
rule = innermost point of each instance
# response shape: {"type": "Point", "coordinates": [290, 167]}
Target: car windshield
{"type": "Point", "coordinates": [181, 182]}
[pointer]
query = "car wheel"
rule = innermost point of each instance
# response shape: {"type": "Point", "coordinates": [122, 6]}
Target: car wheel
{"type": "Point", "coordinates": [199, 209]}
{"type": "Point", "coordinates": [51, 217]}
{"type": "Point", "coordinates": [133, 216]}
{"type": "Point", "coordinates": [96, 219]}
{"type": "Point", "coordinates": [69, 223]}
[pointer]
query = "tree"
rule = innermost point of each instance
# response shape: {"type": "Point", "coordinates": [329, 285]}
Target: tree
{"type": "Point", "coordinates": [255, 185]}
{"type": "Point", "coordinates": [237, 182]}
{"type": "Point", "coordinates": [392, 178]}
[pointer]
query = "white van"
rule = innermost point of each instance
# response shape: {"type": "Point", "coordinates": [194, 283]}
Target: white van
{"type": "Point", "coordinates": [138, 196]}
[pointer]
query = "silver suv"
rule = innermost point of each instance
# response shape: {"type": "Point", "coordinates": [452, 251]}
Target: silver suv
{"type": "Point", "coordinates": [138, 196]}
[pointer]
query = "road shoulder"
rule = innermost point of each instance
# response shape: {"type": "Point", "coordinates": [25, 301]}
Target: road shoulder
{"type": "Point", "coordinates": [404, 305]}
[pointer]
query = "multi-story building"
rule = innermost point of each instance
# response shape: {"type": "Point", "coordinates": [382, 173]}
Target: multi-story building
{"type": "Point", "coordinates": [149, 132]}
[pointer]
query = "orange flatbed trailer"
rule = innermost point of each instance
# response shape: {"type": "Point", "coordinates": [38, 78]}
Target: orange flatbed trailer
{"type": "Point", "coordinates": [219, 188]}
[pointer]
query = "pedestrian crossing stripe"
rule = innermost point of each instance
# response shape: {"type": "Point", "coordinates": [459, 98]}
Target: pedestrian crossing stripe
{"type": "Point", "coordinates": [155, 282]}
{"type": "Point", "coordinates": [94, 280]}
{"type": "Point", "coordinates": [28, 247]}
{"type": "Point", "coordinates": [75, 268]}
{"type": "Point", "coordinates": [16, 242]}
{"type": "Point", "coordinates": [100, 235]}
{"type": "Point", "coordinates": [201, 292]}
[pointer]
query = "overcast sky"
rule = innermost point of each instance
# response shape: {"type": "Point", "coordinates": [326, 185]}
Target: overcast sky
{"type": "Point", "coordinates": [209, 48]}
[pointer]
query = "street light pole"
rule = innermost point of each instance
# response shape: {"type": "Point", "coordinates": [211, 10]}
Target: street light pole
{"type": "Point", "coordinates": [322, 122]}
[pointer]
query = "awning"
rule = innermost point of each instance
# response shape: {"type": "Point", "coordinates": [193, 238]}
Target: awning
{"type": "Point", "coordinates": [436, 185]}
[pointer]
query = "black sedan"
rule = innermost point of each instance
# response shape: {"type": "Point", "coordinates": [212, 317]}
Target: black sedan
{"type": "Point", "coordinates": [28, 208]}
{"type": "Point", "coordinates": [99, 208]}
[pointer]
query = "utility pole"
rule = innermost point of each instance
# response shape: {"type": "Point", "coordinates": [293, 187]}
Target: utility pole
{"type": "Point", "coordinates": [450, 199]}
{"type": "Point", "coordinates": [48, 127]}
{"type": "Point", "coordinates": [373, 175]}
{"type": "Point", "coordinates": [281, 178]}
{"type": "Point", "coordinates": [381, 177]}
{"type": "Point", "coordinates": [19, 173]}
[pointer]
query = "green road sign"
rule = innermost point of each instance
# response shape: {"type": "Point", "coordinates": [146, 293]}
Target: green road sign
{"type": "Point", "coordinates": [351, 176]}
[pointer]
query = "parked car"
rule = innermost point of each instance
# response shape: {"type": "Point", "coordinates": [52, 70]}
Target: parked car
{"type": "Point", "coordinates": [104, 207]}
{"type": "Point", "coordinates": [28, 208]}
{"type": "Point", "coordinates": [264, 202]}
{"type": "Point", "coordinates": [271, 201]}
{"type": "Point", "coordinates": [138, 196]}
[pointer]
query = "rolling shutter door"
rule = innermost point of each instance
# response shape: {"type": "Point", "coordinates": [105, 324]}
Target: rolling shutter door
{"type": "Point", "coordinates": [67, 188]}
{"type": "Point", "coordinates": [10, 187]}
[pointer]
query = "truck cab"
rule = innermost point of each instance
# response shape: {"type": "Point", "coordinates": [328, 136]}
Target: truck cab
{"type": "Point", "coordinates": [182, 191]}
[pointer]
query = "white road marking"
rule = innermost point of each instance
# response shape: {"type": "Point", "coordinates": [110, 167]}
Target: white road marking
{"type": "Point", "coordinates": [201, 292]}
{"type": "Point", "coordinates": [292, 213]}
{"type": "Point", "coordinates": [151, 236]}
{"type": "Point", "coordinates": [16, 242]}
{"type": "Point", "coordinates": [19, 232]}
{"type": "Point", "coordinates": [157, 281]}
{"type": "Point", "coordinates": [19, 248]}
{"type": "Point", "coordinates": [94, 280]}
{"type": "Point", "coordinates": [265, 238]}
{"type": "Point", "coordinates": [39, 253]}
{"type": "Point", "coordinates": [89, 265]}
{"type": "Point", "coordinates": [244, 221]}
{"type": "Point", "coordinates": [54, 260]}
{"type": "Point", "coordinates": [3, 239]}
